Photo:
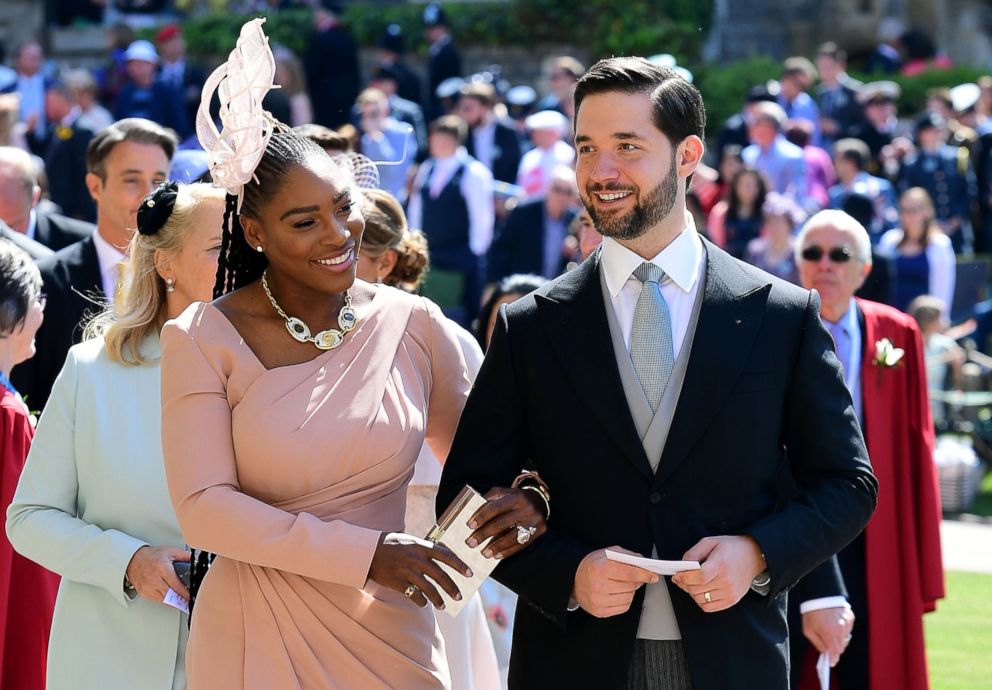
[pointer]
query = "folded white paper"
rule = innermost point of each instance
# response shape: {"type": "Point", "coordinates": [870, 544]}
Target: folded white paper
{"type": "Point", "coordinates": [175, 601]}
{"type": "Point", "coordinates": [823, 671]}
{"type": "Point", "coordinates": [652, 564]}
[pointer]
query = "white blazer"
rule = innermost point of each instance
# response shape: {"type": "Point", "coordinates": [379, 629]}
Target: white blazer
{"type": "Point", "coordinates": [92, 493]}
{"type": "Point", "coordinates": [940, 258]}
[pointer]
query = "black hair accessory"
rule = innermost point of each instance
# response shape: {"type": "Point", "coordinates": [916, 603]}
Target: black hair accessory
{"type": "Point", "coordinates": [156, 208]}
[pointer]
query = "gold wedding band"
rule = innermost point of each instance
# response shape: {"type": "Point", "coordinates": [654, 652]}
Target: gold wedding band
{"type": "Point", "coordinates": [410, 591]}
{"type": "Point", "coordinates": [707, 598]}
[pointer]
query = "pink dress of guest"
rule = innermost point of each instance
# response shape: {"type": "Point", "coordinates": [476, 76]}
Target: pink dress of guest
{"type": "Point", "coordinates": [290, 475]}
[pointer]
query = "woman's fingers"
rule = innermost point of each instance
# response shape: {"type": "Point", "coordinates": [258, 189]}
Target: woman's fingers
{"type": "Point", "coordinates": [445, 555]}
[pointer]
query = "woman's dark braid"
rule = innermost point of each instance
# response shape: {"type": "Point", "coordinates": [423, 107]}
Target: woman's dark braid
{"type": "Point", "coordinates": [239, 263]}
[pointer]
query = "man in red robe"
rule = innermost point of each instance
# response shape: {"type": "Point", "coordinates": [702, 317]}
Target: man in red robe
{"type": "Point", "coordinates": [892, 574]}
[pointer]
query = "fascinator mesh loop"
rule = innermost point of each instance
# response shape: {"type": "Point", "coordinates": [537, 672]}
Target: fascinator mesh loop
{"type": "Point", "coordinates": [240, 83]}
{"type": "Point", "coordinates": [156, 208]}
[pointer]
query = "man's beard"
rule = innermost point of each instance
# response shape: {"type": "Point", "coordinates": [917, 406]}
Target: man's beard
{"type": "Point", "coordinates": [648, 212]}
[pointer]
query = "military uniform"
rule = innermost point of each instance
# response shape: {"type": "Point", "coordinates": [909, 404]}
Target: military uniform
{"type": "Point", "coordinates": [947, 176]}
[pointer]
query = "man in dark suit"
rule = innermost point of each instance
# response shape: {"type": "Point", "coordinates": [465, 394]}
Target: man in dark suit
{"type": "Point", "coordinates": [531, 239]}
{"type": "Point", "coordinates": [65, 160]}
{"type": "Point", "coordinates": [392, 50]}
{"type": "Point", "coordinates": [445, 60]}
{"type": "Point", "coordinates": [30, 84]}
{"type": "Point", "coordinates": [385, 78]}
{"type": "Point", "coordinates": [331, 65]}
{"type": "Point", "coordinates": [836, 97]}
{"type": "Point", "coordinates": [491, 142]}
{"type": "Point", "coordinates": [184, 77]}
{"type": "Point", "coordinates": [125, 162]}
{"type": "Point", "coordinates": [35, 250]}
{"type": "Point", "coordinates": [671, 446]}
{"type": "Point", "coordinates": [19, 209]}
{"type": "Point", "coordinates": [146, 96]}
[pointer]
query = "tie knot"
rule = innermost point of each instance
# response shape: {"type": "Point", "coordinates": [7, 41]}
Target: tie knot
{"type": "Point", "coordinates": [649, 273]}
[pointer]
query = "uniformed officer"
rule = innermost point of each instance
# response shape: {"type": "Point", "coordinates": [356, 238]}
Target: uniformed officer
{"type": "Point", "coordinates": [945, 172]}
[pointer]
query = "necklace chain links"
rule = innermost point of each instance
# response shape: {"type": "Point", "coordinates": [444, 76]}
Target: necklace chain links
{"type": "Point", "coordinates": [325, 340]}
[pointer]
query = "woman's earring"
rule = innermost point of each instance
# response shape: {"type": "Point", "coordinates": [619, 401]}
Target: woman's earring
{"type": "Point", "coordinates": [170, 285]}
{"type": "Point", "coordinates": [259, 249]}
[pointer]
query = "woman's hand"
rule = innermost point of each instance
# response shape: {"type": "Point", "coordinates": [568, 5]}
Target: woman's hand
{"type": "Point", "coordinates": [504, 512]}
{"type": "Point", "coordinates": [152, 574]}
{"type": "Point", "coordinates": [402, 561]}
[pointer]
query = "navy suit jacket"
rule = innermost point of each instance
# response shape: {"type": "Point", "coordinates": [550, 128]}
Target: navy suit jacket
{"type": "Point", "coordinates": [74, 289]}
{"type": "Point", "coordinates": [506, 153]}
{"type": "Point", "coordinates": [761, 380]}
{"type": "Point", "coordinates": [518, 246]}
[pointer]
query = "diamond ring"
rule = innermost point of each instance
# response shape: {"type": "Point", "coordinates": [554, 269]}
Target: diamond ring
{"type": "Point", "coordinates": [524, 534]}
{"type": "Point", "coordinates": [410, 591]}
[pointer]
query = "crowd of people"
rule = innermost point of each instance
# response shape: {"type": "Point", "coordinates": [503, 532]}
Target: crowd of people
{"type": "Point", "coordinates": [474, 196]}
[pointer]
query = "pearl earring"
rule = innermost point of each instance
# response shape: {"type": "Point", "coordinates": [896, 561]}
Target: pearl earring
{"type": "Point", "coordinates": [170, 285]}
{"type": "Point", "coordinates": [259, 249]}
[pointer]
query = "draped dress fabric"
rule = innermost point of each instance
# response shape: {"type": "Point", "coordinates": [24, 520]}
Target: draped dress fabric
{"type": "Point", "coordinates": [290, 475]}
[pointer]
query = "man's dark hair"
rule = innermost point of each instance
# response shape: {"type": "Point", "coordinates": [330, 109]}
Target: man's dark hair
{"type": "Point", "coordinates": [854, 151]}
{"type": "Point", "coordinates": [678, 105]}
{"type": "Point", "coordinates": [136, 129]}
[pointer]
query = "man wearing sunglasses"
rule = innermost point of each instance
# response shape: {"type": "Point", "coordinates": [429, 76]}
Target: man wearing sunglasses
{"type": "Point", "coordinates": [891, 574]}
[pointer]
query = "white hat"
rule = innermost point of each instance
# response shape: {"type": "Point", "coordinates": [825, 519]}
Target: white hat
{"type": "Point", "coordinates": [964, 97]}
{"type": "Point", "coordinates": [548, 119]}
{"type": "Point", "coordinates": [142, 50]}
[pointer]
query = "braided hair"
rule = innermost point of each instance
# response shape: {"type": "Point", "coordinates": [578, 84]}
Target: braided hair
{"type": "Point", "coordinates": [239, 263]}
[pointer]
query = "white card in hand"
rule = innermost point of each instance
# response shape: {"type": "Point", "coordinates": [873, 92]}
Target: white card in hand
{"type": "Point", "coordinates": [823, 671]}
{"type": "Point", "coordinates": [175, 601]}
{"type": "Point", "coordinates": [652, 564]}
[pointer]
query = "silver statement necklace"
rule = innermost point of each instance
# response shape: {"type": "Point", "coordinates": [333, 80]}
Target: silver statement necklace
{"type": "Point", "coordinates": [325, 340]}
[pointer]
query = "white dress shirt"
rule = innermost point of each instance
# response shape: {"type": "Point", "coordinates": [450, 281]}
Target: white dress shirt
{"type": "Point", "coordinates": [476, 188]}
{"type": "Point", "coordinates": [682, 262]}
{"type": "Point", "coordinates": [484, 142]}
{"type": "Point", "coordinates": [109, 257]}
{"type": "Point", "coordinates": [32, 92]}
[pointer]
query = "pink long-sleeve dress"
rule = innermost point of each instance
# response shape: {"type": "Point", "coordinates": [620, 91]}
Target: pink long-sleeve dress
{"type": "Point", "coordinates": [290, 475]}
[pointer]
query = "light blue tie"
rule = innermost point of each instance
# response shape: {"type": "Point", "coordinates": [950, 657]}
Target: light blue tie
{"type": "Point", "coordinates": [651, 350]}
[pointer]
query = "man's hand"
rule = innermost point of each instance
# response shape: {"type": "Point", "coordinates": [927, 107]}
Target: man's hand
{"type": "Point", "coordinates": [829, 630]}
{"type": "Point", "coordinates": [729, 564]}
{"type": "Point", "coordinates": [606, 588]}
{"type": "Point", "coordinates": [152, 574]}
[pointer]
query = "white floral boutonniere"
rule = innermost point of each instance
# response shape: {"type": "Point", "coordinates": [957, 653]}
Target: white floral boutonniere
{"type": "Point", "coordinates": [887, 356]}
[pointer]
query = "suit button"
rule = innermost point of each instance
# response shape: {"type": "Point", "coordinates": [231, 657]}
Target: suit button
{"type": "Point", "coordinates": [656, 498]}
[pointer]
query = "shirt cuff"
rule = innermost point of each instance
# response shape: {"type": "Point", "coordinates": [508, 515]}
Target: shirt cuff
{"type": "Point", "coordinates": [824, 603]}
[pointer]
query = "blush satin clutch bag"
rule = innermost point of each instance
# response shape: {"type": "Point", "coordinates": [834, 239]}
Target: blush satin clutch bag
{"type": "Point", "coordinates": [451, 531]}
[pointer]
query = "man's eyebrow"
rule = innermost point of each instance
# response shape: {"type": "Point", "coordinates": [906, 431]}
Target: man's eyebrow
{"type": "Point", "coordinates": [620, 136]}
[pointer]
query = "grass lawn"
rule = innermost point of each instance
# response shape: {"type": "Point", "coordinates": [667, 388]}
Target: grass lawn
{"type": "Point", "coordinates": [959, 634]}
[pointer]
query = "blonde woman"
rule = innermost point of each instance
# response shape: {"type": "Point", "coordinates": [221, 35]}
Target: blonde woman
{"type": "Point", "coordinates": [92, 503]}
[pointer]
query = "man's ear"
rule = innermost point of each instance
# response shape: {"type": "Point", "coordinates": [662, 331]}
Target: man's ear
{"type": "Point", "coordinates": [95, 186]}
{"type": "Point", "coordinates": [690, 155]}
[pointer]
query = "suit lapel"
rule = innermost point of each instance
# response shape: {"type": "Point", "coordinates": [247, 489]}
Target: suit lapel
{"type": "Point", "coordinates": [729, 320]}
{"type": "Point", "coordinates": [84, 270]}
{"type": "Point", "coordinates": [574, 317]}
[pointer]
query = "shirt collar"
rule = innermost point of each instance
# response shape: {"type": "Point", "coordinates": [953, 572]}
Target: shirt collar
{"type": "Point", "coordinates": [848, 322]}
{"type": "Point", "coordinates": [107, 254]}
{"type": "Point", "coordinates": [680, 260]}
{"type": "Point", "coordinates": [32, 224]}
